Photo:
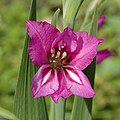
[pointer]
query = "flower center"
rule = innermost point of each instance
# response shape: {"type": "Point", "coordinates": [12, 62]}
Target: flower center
{"type": "Point", "coordinates": [58, 59]}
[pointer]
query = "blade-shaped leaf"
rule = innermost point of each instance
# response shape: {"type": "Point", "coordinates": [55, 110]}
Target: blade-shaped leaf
{"type": "Point", "coordinates": [55, 17]}
{"type": "Point", "coordinates": [7, 115]}
{"type": "Point", "coordinates": [82, 108]}
{"type": "Point", "coordinates": [86, 23]}
{"type": "Point", "coordinates": [70, 10]}
{"type": "Point", "coordinates": [25, 107]}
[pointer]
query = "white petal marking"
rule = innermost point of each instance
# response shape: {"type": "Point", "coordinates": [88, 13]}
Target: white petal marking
{"type": "Point", "coordinates": [74, 76]}
{"type": "Point", "coordinates": [46, 77]}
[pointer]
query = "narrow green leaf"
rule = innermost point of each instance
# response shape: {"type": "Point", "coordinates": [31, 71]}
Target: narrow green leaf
{"type": "Point", "coordinates": [70, 10]}
{"type": "Point", "coordinates": [82, 108]}
{"type": "Point", "coordinates": [64, 2]}
{"type": "Point", "coordinates": [94, 23]}
{"type": "Point", "coordinates": [25, 107]}
{"type": "Point", "coordinates": [55, 17]}
{"type": "Point", "coordinates": [86, 23]}
{"type": "Point", "coordinates": [7, 115]}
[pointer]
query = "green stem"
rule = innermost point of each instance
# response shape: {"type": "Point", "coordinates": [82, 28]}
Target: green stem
{"type": "Point", "coordinates": [60, 110]}
{"type": "Point", "coordinates": [57, 111]}
{"type": "Point", "coordinates": [52, 110]}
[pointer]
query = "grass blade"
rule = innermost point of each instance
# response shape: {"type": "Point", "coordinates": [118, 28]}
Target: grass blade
{"type": "Point", "coordinates": [25, 107]}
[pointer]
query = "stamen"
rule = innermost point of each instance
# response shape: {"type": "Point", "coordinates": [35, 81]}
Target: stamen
{"type": "Point", "coordinates": [58, 54]}
{"type": "Point", "coordinates": [64, 55]}
{"type": "Point", "coordinates": [52, 55]}
{"type": "Point", "coordinates": [58, 59]}
{"type": "Point", "coordinates": [53, 61]}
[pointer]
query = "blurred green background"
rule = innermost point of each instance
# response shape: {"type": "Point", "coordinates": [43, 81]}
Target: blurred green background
{"type": "Point", "coordinates": [14, 13]}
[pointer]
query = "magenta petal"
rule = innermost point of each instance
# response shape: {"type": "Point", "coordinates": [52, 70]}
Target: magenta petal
{"type": "Point", "coordinates": [62, 92]}
{"type": "Point", "coordinates": [88, 51]}
{"type": "Point", "coordinates": [102, 55]}
{"type": "Point", "coordinates": [42, 35]}
{"type": "Point", "coordinates": [78, 83]}
{"type": "Point", "coordinates": [67, 40]}
{"type": "Point", "coordinates": [101, 21]}
{"type": "Point", "coordinates": [44, 82]}
{"type": "Point", "coordinates": [73, 54]}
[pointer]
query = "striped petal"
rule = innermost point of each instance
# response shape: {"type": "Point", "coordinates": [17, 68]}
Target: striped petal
{"type": "Point", "coordinates": [44, 82]}
{"type": "Point", "coordinates": [78, 83]}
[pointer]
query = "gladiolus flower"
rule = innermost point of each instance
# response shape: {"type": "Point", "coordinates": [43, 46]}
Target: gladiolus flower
{"type": "Point", "coordinates": [102, 54]}
{"type": "Point", "coordinates": [61, 58]}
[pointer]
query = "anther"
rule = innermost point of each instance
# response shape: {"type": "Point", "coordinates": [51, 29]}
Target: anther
{"type": "Point", "coordinates": [52, 55]}
{"type": "Point", "coordinates": [58, 59]}
{"type": "Point", "coordinates": [53, 61]}
{"type": "Point", "coordinates": [58, 54]}
{"type": "Point", "coordinates": [64, 55]}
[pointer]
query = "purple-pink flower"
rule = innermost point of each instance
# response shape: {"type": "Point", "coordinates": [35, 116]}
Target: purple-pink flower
{"type": "Point", "coordinates": [101, 20]}
{"type": "Point", "coordinates": [61, 57]}
{"type": "Point", "coordinates": [102, 54]}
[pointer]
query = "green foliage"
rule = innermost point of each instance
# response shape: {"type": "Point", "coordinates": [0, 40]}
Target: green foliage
{"type": "Point", "coordinates": [13, 14]}
{"type": "Point", "coordinates": [5, 114]}
{"type": "Point", "coordinates": [70, 10]}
